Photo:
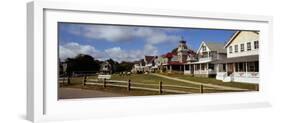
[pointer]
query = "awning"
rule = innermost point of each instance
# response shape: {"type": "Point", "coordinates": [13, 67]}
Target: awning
{"type": "Point", "coordinates": [251, 58]}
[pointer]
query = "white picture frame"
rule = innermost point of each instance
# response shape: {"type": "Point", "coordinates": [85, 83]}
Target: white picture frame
{"type": "Point", "coordinates": [42, 104]}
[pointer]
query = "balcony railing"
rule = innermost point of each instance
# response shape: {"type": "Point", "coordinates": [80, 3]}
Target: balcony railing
{"type": "Point", "coordinates": [191, 59]}
{"type": "Point", "coordinates": [206, 59]}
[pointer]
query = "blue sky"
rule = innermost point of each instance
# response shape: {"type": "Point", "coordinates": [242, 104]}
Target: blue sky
{"type": "Point", "coordinates": [129, 43]}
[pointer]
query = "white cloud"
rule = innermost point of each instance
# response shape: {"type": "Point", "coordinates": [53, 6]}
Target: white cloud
{"type": "Point", "coordinates": [150, 50]}
{"type": "Point", "coordinates": [156, 36]}
{"type": "Point", "coordinates": [119, 54]}
{"type": "Point", "coordinates": [72, 49]}
{"type": "Point", "coordinates": [125, 33]}
{"type": "Point", "coordinates": [150, 36]}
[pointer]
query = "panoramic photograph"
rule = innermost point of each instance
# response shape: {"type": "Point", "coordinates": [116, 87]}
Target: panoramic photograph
{"type": "Point", "coordinates": [103, 60]}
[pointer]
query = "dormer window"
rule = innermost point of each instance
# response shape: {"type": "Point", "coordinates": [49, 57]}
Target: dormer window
{"type": "Point", "coordinates": [230, 49]}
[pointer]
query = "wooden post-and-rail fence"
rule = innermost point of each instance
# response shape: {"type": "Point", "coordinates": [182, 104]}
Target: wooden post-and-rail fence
{"type": "Point", "coordinates": [160, 87]}
{"type": "Point", "coordinates": [84, 80]}
{"type": "Point", "coordinates": [201, 89]}
{"type": "Point", "coordinates": [143, 86]}
{"type": "Point", "coordinates": [129, 84]}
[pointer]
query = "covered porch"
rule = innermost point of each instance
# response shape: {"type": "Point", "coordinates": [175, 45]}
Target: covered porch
{"type": "Point", "coordinates": [204, 69]}
{"type": "Point", "coordinates": [175, 67]}
{"type": "Point", "coordinates": [239, 69]}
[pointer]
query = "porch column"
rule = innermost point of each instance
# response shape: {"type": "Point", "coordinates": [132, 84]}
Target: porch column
{"type": "Point", "coordinates": [207, 67]}
{"type": "Point", "coordinates": [246, 69]}
{"type": "Point", "coordinates": [226, 67]}
{"type": "Point", "coordinates": [171, 68]}
{"type": "Point", "coordinates": [194, 67]}
{"type": "Point", "coordinates": [218, 67]}
{"type": "Point", "coordinates": [184, 67]}
{"type": "Point", "coordinates": [234, 67]}
{"type": "Point", "coordinates": [199, 68]}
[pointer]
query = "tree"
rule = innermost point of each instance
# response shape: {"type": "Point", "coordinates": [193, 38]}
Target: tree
{"type": "Point", "coordinates": [82, 63]}
{"type": "Point", "coordinates": [125, 66]}
{"type": "Point", "coordinates": [113, 64]}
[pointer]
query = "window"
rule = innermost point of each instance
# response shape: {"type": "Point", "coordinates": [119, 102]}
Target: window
{"type": "Point", "coordinates": [186, 67]}
{"type": "Point", "coordinates": [253, 66]}
{"type": "Point", "coordinates": [256, 44]}
{"type": "Point", "coordinates": [249, 46]}
{"type": "Point", "coordinates": [202, 66]}
{"type": "Point", "coordinates": [204, 48]}
{"type": "Point", "coordinates": [211, 66]}
{"type": "Point", "coordinates": [242, 47]}
{"type": "Point", "coordinates": [230, 49]}
{"type": "Point", "coordinates": [224, 68]}
{"type": "Point", "coordinates": [236, 48]}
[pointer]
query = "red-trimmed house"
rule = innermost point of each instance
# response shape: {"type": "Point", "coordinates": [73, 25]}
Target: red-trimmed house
{"type": "Point", "coordinates": [177, 61]}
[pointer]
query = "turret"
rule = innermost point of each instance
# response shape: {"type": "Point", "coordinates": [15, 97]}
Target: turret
{"type": "Point", "coordinates": [182, 51]}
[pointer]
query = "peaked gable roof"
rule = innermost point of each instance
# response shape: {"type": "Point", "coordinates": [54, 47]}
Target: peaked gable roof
{"type": "Point", "coordinates": [235, 35]}
{"type": "Point", "coordinates": [216, 46]}
{"type": "Point", "coordinates": [149, 59]}
{"type": "Point", "coordinates": [232, 38]}
{"type": "Point", "coordinates": [213, 46]}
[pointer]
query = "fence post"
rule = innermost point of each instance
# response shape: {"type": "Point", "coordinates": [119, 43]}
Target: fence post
{"type": "Point", "coordinates": [68, 80]}
{"type": "Point", "coordinates": [160, 87]}
{"type": "Point", "coordinates": [63, 79]}
{"type": "Point", "coordinates": [201, 89]}
{"type": "Point", "coordinates": [257, 87]}
{"type": "Point", "coordinates": [84, 80]}
{"type": "Point", "coordinates": [104, 82]}
{"type": "Point", "coordinates": [129, 85]}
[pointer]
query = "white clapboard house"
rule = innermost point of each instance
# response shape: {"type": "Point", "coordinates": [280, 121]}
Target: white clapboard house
{"type": "Point", "coordinates": [242, 63]}
{"type": "Point", "coordinates": [207, 54]}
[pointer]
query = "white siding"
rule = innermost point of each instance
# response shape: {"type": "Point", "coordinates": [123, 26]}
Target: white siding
{"type": "Point", "coordinates": [243, 38]}
{"type": "Point", "coordinates": [201, 49]}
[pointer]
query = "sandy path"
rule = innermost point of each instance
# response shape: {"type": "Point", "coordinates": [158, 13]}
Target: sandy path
{"type": "Point", "coordinates": [200, 83]}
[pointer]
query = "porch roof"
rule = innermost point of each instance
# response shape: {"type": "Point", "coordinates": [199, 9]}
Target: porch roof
{"type": "Point", "coordinates": [175, 63]}
{"type": "Point", "coordinates": [251, 58]}
{"type": "Point", "coordinates": [200, 62]}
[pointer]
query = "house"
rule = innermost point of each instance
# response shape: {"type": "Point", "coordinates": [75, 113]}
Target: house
{"type": "Point", "coordinates": [242, 63]}
{"type": "Point", "coordinates": [106, 68]}
{"type": "Point", "coordinates": [138, 66]}
{"type": "Point", "coordinates": [176, 61]}
{"type": "Point", "coordinates": [207, 53]}
{"type": "Point", "coordinates": [150, 63]}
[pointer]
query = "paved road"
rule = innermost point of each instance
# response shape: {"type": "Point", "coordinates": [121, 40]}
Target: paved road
{"type": "Point", "coordinates": [72, 93]}
{"type": "Point", "coordinates": [200, 83]}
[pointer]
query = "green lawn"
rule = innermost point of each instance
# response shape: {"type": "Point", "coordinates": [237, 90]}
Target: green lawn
{"type": "Point", "coordinates": [151, 79]}
{"type": "Point", "coordinates": [213, 81]}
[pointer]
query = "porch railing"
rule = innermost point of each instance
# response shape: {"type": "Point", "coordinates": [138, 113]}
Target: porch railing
{"type": "Point", "coordinates": [209, 71]}
{"type": "Point", "coordinates": [206, 59]}
{"type": "Point", "coordinates": [246, 74]}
